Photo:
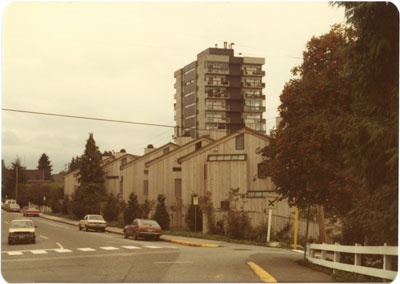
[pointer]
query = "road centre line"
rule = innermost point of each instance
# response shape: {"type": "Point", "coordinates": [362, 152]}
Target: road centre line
{"type": "Point", "coordinates": [44, 237]}
{"type": "Point", "coordinates": [264, 275]}
{"type": "Point", "coordinates": [61, 247]}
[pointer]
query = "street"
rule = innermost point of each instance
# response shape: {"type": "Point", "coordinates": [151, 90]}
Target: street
{"type": "Point", "coordinates": [62, 253]}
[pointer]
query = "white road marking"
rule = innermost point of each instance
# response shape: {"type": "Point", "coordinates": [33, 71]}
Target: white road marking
{"type": "Point", "coordinates": [44, 237]}
{"type": "Point", "coordinates": [14, 253]}
{"type": "Point", "coordinates": [85, 249]}
{"type": "Point", "coordinates": [131, 247]}
{"type": "Point", "coordinates": [152, 247]}
{"type": "Point", "coordinates": [109, 248]}
{"type": "Point", "coordinates": [63, 250]}
{"type": "Point", "coordinates": [38, 251]}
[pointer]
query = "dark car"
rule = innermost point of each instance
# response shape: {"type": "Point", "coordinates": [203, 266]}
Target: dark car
{"type": "Point", "coordinates": [144, 228]}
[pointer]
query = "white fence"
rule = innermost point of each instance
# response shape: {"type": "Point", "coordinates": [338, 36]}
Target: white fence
{"type": "Point", "coordinates": [330, 256]}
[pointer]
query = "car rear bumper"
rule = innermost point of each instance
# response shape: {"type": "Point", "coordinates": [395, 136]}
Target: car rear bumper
{"type": "Point", "coordinates": [21, 238]}
{"type": "Point", "coordinates": [149, 234]}
{"type": "Point", "coordinates": [99, 226]}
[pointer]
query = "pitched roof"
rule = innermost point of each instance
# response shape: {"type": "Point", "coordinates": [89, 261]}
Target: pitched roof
{"type": "Point", "coordinates": [140, 158]}
{"type": "Point", "coordinates": [119, 158]}
{"type": "Point", "coordinates": [183, 147]}
{"type": "Point", "coordinates": [222, 140]}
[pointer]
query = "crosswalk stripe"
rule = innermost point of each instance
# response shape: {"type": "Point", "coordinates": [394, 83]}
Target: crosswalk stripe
{"type": "Point", "coordinates": [14, 253]}
{"type": "Point", "coordinates": [38, 251]}
{"type": "Point", "coordinates": [85, 249]}
{"type": "Point", "coordinates": [152, 247]}
{"type": "Point", "coordinates": [131, 247]}
{"type": "Point", "coordinates": [63, 250]}
{"type": "Point", "coordinates": [109, 248]}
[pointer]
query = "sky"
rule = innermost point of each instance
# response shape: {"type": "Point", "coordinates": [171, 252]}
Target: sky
{"type": "Point", "coordinates": [116, 60]}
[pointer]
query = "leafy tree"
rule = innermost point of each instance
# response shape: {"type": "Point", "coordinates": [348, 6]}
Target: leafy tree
{"type": "Point", "coordinates": [111, 210]}
{"type": "Point", "coordinates": [370, 131]}
{"type": "Point", "coordinates": [161, 215]}
{"type": "Point", "coordinates": [133, 209]}
{"type": "Point", "coordinates": [11, 178]}
{"type": "Point", "coordinates": [45, 166]}
{"type": "Point", "coordinates": [302, 157]}
{"type": "Point", "coordinates": [191, 216]}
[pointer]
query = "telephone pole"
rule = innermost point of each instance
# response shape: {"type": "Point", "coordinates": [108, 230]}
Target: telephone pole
{"type": "Point", "coordinates": [16, 184]}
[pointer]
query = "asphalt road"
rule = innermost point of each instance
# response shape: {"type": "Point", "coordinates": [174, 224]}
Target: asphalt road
{"type": "Point", "coordinates": [62, 253]}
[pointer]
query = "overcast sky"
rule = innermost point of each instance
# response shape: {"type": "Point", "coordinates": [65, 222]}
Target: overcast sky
{"type": "Point", "coordinates": [117, 61]}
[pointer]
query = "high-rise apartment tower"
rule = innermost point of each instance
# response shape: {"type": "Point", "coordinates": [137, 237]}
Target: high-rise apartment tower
{"type": "Point", "coordinates": [219, 94]}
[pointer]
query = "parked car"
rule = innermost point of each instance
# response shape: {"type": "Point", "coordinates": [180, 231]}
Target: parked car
{"type": "Point", "coordinates": [30, 211]}
{"type": "Point", "coordinates": [21, 230]}
{"type": "Point", "coordinates": [143, 228]}
{"type": "Point", "coordinates": [13, 207]}
{"type": "Point", "coordinates": [7, 203]}
{"type": "Point", "coordinates": [94, 222]}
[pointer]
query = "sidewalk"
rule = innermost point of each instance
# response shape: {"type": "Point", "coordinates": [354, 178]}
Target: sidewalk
{"type": "Point", "coordinates": [167, 238]}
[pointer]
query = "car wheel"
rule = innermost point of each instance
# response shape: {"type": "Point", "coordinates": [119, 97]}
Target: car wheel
{"type": "Point", "coordinates": [80, 228]}
{"type": "Point", "coordinates": [157, 238]}
{"type": "Point", "coordinates": [10, 242]}
{"type": "Point", "coordinates": [126, 235]}
{"type": "Point", "coordinates": [87, 229]}
{"type": "Point", "coordinates": [136, 235]}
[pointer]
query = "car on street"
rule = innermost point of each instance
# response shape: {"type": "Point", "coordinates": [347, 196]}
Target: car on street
{"type": "Point", "coordinates": [7, 203]}
{"type": "Point", "coordinates": [13, 207]}
{"type": "Point", "coordinates": [21, 230]}
{"type": "Point", "coordinates": [30, 211]}
{"type": "Point", "coordinates": [144, 228]}
{"type": "Point", "coordinates": [93, 222]}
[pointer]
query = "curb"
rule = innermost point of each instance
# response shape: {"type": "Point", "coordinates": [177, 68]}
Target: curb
{"type": "Point", "coordinates": [193, 244]}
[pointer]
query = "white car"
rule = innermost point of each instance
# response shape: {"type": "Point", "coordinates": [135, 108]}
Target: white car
{"type": "Point", "coordinates": [21, 230]}
{"type": "Point", "coordinates": [94, 222]}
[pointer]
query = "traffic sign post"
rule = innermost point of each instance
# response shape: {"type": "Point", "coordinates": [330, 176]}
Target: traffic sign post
{"type": "Point", "coordinates": [271, 203]}
{"type": "Point", "coordinates": [195, 203]}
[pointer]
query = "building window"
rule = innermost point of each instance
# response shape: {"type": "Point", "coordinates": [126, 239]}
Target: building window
{"type": "Point", "coordinates": [197, 146]}
{"type": "Point", "coordinates": [258, 194]}
{"type": "Point", "coordinates": [123, 161]}
{"type": "Point", "coordinates": [239, 140]}
{"type": "Point", "coordinates": [166, 151]}
{"type": "Point", "coordinates": [146, 187]}
{"type": "Point", "coordinates": [227, 157]}
{"type": "Point", "coordinates": [176, 169]}
{"type": "Point", "coordinates": [205, 171]}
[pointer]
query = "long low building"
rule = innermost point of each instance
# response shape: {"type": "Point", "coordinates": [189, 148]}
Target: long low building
{"type": "Point", "coordinates": [227, 170]}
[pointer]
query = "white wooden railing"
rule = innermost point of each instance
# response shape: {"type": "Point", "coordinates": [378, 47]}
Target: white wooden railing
{"type": "Point", "coordinates": [329, 256]}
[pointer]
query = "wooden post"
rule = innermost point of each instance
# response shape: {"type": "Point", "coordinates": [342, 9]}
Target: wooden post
{"type": "Point", "coordinates": [321, 224]}
{"type": "Point", "coordinates": [357, 257]}
{"type": "Point", "coordinates": [387, 261]}
{"type": "Point", "coordinates": [323, 253]}
{"type": "Point", "coordinates": [308, 221]}
{"type": "Point", "coordinates": [336, 256]}
{"type": "Point", "coordinates": [16, 185]}
{"type": "Point", "coordinates": [269, 224]}
{"type": "Point", "coordinates": [296, 226]}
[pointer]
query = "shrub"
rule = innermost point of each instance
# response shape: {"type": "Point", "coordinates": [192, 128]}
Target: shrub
{"type": "Point", "coordinates": [238, 225]}
{"type": "Point", "coordinates": [161, 215]}
{"type": "Point", "coordinates": [55, 205]}
{"type": "Point", "coordinates": [65, 205]}
{"type": "Point", "coordinates": [133, 210]}
{"type": "Point", "coordinates": [111, 210]}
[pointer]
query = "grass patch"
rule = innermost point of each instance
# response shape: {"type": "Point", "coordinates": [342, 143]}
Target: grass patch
{"type": "Point", "coordinates": [340, 276]}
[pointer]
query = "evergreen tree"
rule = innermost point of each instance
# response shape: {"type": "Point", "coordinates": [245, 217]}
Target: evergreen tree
{"type": "Point", "coordinates": [133, 210]}
{"type": "Point", "coordinates": [74, 164]}
{"type": "Point", "coordinates": [91, 192]}
{"type": "Point", "coordinates": [45, 166]}
{"type": "Point", "coordinates": [161, 215]}
{"type": "Point", "coordinates": [65, 205]}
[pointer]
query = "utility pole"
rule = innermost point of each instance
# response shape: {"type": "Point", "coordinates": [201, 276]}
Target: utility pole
{"type": "Point", "coordinates": [16, 184]}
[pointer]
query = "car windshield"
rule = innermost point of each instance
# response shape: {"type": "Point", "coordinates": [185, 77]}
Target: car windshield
{"type": "Point", "coordinates": [21, 224]}
{"type": "Point", "coordinates": [96, 218]}
{"type": "Point", "coordinates": [148, 222]}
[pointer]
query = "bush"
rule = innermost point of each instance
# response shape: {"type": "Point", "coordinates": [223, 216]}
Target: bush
{"type": "Point", "coordinates": [238, 225]}
{"type": "Point", "coordinates": [111, 210]}
{"type": "Point", "coordinates": [161, 215]}
{"type": "Point", "coordinates": [65, 205]}
{"type": "Point", "coordinates": [55, 206]}
{"type": "Point", "coordinates": [87, 200]}
{"type": "Point", "coordinates": [133, 210]}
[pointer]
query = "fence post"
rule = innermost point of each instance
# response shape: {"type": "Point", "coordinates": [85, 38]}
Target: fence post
{"type": "Point", "coordinates": [387, 261]}
{"type": "Point", "coordinates": [336, 257]}
{"type": "Point", "coordinates": [323, 253]}
{"type": "Point", "coordinates": [357, 257]}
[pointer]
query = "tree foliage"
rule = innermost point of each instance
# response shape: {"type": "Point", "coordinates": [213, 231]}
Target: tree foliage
{"type": "Point", "coordinates": [9, 179]}
{"type": "Point", "coordinates": [87, 200]}
{"type": "Point", "coordinates": [45, 166]}
{"type": "Point", "coordinates": [133, 210]}
{"type": "Point", "coordinates": [90, 170]}
{"type": "Point", "coordinates": [302, 155]}
{"type": "Point", "coordinates": [111, 210]}
{"type": "Point", "coordinates": [161, 215]}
